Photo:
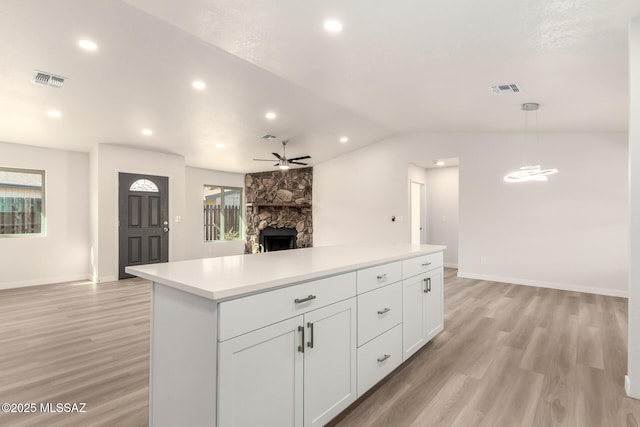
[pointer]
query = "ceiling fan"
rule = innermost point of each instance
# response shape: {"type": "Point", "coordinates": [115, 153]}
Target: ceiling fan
{"type": "Point", "coordinates": [283, 161]}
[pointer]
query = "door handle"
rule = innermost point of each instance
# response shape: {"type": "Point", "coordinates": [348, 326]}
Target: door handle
{"type": "Point", "coordinates": [310, 326]}
{"type": "Point", "coordinates": [383, 358]}
{"type": "Point", "coordinates": [166, 229]}
{"type": "Point", "coordinates": [427, 287]}
{"type": "Point", "coordinates": [301, 346]}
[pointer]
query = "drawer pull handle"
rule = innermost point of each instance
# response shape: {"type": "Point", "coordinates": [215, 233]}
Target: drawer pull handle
{"type": "Point", "coordinates": [426, 264]}
{"type": "Point", "coordinates": [427, 288]}
{"type": "Point", "coordinates": [386, 310]}
{"type": "Point", "coordinates": [301, 346]}
{"type": "Point", "coordinates": [383, 276]}
{"type": "Point", "coordinates": [383, 358]}
{"type": "Point", "coordinates": [310, 326]}
{"type": "Point", "coordinates": [309, 298]}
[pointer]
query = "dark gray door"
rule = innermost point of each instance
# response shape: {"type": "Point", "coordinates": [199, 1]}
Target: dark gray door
{"type": "Point", "coordinates": [143, 206]}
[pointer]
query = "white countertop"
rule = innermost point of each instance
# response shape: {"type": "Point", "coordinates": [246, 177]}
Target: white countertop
{"type": "Point", "coordinates": [234, 276]}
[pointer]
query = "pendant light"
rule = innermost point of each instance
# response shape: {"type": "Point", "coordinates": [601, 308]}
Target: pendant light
{"type": "Point", "coordinates": [530, 172]}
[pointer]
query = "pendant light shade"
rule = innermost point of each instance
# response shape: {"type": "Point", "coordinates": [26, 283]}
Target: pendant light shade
{"type": "Point", "coordinates": [530, 172]}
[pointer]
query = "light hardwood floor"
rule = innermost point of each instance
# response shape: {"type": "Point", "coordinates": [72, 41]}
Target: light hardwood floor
{"type": "Point", "coordinates": [509, 356]}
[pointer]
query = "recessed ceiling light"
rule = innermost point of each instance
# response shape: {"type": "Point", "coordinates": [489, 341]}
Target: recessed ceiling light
{"type": "Point", "coordinates": [87, 45]}
{"type": "Point", "coordinates": [271, 115]}
{"type": "Point", "coordinates": [344, 139]}
{"type": "Point", "coordinates": [54, 113]}
{"type": "Point", "coordinates": [199, 85]}
{"type": "Point", "coordinates": [438, 162]}
{"type": "Point", "coordinates": [332, 26]}
{"type": "Point", "coordinates": [219, 145]}
{"type": "Point", "coordinates": [147, 132]}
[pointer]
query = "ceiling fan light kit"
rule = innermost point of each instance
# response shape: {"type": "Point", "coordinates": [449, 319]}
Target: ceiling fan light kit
{"type": "Point", "coordinates": [530, 172]}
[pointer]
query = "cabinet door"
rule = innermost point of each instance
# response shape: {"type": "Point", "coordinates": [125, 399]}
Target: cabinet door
{"type": "Point", "coordinates": [413, 314]}
{"type": "Point", "coordinates": [329, 362]}
{"type": "Point", "coordinates": [260, 377]}
{"type": "Point", "coordinates": [433, 311]}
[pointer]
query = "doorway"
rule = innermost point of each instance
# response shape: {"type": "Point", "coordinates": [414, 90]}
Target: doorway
{"type": "Point", "coordinates": [143, 212]}
{"type": "Point", "coordinates": [417, 221]}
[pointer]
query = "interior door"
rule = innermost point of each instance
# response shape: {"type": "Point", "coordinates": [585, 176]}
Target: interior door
{"type": "Point", "coordinates": [416, 213]}
{"type": "Point", "coordinates": [143, 210]}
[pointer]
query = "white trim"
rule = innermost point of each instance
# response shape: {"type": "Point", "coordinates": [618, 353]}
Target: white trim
{"type": "Point", "coordinates": [47, 281]}
{"type": "Point", "coordinates": [550, 285]}
{"type": "Point", "coordinates": [451, 265]}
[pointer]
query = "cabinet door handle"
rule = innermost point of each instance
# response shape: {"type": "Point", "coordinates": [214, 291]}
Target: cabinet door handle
{"type": "Point", "coordinates": [427, 287]}
{"type": "Point", "coordinates": [310, 326]}
{"type": "Point", "coordinates": [301, 347]}
{"type": "Point", "coordinates": [426, 264]}
{"type": "Point", "coordinates": [300, 301]}
{"type": "Point", "coordinates": [386, 310]}
{"type": "Point", "coordinates": [383, 358]}
{"type": "Point", "coordinates": [383, 276]}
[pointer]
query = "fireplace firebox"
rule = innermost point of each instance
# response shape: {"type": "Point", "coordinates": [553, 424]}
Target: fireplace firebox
{"type": "Point", "coordinates": [278, 239]}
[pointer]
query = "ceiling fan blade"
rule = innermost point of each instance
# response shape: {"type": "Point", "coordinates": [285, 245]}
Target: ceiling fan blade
{"type": "Point", "coordinates": [300, 158]}
{"type": "Point", "coordinates": [263, 160]}
{"type": "Point", "coordinates": [277, 156]}
{"type": "Point", "coordinates": [298, 163]}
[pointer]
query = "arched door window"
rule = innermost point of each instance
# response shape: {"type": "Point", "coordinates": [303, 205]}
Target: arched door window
{"type": "Point", "coordinates": [144, 185]}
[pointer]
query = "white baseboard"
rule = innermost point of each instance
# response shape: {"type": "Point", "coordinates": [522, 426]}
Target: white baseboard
{"type": "Point", "coordinates": [107, 279]}
{"type": "Point", "coordinates": [450, 265]}
{"type": "Point", "coordinates": [44, 281]}
{"type": "Point", "coordinates": [541, 284]}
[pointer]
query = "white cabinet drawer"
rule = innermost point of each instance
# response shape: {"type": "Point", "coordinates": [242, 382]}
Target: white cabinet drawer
{"type": "Point", "coordinates": [380, 275]}
{"type": "Point", "coordinates": [379, 311]}
{"type": "Point", "coordinates": [417, 265]}
{"type": "Point", "coordinates": [247, 314]}
{"type": "Point", "coordinates": [377, 358]}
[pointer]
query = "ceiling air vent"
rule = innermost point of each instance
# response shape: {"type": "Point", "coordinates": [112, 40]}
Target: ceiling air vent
{"type": "Point", "coordinates": [47, 79]}
{"type": "Point", "coordinates": [508, 88]}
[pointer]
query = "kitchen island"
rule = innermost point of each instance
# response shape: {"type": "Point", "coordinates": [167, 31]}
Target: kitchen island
{"type": "Point", "coordinates": [287, 338]}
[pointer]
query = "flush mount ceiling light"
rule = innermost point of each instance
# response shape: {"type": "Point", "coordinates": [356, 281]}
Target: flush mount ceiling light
{"type": "Point", "coordinates": [332, 26]}
{"type": "Point", "coordinates": [87, 45]}
{"type": "Point", "coordinates": [270, 115]}
{"type": "Point", "coordinates": [219, 145]}
{"type": "Point", "coordinates": [54, 114]}
{"type": "Point", "coordinates": [147, 132]}
{"type": "Point", "coordinates": [199, 85]}
{"type": "Point", "coordinates": [344, 139]}
{"type": "Point", "coordinates": [530, 172]}
{"type": "Point", "coordinates": [438, 162]}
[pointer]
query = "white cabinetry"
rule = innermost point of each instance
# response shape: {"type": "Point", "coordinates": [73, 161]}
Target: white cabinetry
{"type": "Point", "coordinates": [422, 296]}
{"type": "Point", "coordinates": [301, 371]}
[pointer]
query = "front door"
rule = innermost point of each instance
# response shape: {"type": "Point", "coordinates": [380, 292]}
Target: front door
{"type": "Point", "coordinates": [143, 210]}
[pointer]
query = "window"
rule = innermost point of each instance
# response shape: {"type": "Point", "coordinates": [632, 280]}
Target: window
{"type": "Point", "coordinates": [144, 185]}
{"type": "Point", "coordinates": [21, 202]}
{"type": "Point", "coordinates": [222, 213]}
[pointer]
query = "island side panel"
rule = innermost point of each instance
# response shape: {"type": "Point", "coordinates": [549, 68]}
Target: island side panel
{"type": "Point", "coordinates": [182, 389]}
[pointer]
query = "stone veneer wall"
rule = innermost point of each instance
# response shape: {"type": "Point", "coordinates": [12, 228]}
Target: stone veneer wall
{"type": "Point", "coordinates": [290, 187]}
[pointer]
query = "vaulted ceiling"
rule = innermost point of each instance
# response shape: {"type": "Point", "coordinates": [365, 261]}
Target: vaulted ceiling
{"type": "Point", "coordinates": [396, 67]}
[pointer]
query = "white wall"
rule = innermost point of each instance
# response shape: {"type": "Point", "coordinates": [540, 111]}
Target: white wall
{"type": "Point", "coordinates": [193, 221]}
{"type": "Point", "coordinates": [633, 378]}
{"type": "Point", "coordinates": [442, 202]}
{"type": "Point", "coordinates": [111, 160]}
{"type": "Point", "coordinates": [63, 254]}
{"type": "Point", "coordinates": [568, 233]}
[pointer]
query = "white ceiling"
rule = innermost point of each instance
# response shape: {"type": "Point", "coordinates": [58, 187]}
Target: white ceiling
{"type": "Point", "coordinates": [406, 66]}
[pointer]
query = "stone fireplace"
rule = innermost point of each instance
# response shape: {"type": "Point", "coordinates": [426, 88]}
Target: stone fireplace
{"type": "Point", "coordinates": [279, 210]}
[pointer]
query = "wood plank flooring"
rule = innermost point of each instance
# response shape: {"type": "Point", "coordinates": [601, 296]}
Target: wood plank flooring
{"type": "Point", "coordinates": [76, 343]}
{"type": "Point", "coordinates": [509, 356]}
